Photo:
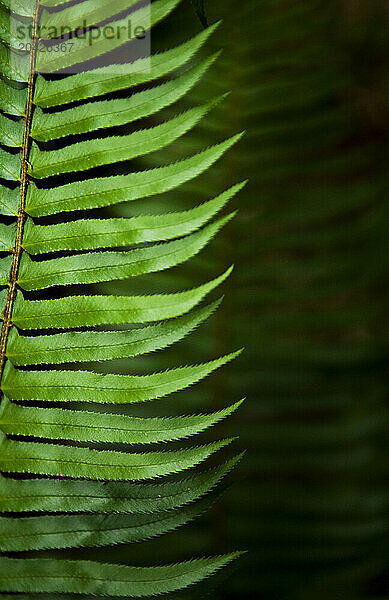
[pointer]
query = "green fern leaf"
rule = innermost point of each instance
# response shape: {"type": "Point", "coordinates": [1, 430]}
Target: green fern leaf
{"type": "Point", "coordinates": [102, 81]}
{"type": "Point", "coordinates": [87, 577]}
{"type": "Point", "coordinates": [92, 346]}
{"type": "Point", "coordinates": [57, 158]}
{"type": "Point", "coordinates": [77, 462]}
{"type": "Point", "coordinates": [94, 387]}
{"type": "Point", "coordinates": [71, 496]}
{"type": "Point", "coordinates": [108, 113]}
{"type": "Point", "coordinates": [84, 426]}
{"type": "Point", "coordinates": [89, 311]}
{"type": "Point", "coordinates": [83, 50]}
{"type": "Point", "coordinates": [76, 531]}
{"type": "Point", "coordinates": [103, 266]}
{"type": "Point", "coordinates": [83, 15]}
{"type": "Point", "coordinates": [94, 234]}
{"type": "Point", "coordinates": [112, 190]}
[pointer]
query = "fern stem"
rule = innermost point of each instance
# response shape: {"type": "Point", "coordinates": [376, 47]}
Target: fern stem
{"type": "Point", "coordinates": [24, 182]}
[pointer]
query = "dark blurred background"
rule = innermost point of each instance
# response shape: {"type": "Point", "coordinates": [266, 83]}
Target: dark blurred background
{"type": "Point", "coordinates": [310, 500]}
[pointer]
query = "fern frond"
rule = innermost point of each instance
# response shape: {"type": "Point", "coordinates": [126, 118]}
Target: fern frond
{"type": "Point", "coordinates": [56, 158]}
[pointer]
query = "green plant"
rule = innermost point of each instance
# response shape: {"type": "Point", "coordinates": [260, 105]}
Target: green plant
{"type": "Point", "coordinates": [60, 137]}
